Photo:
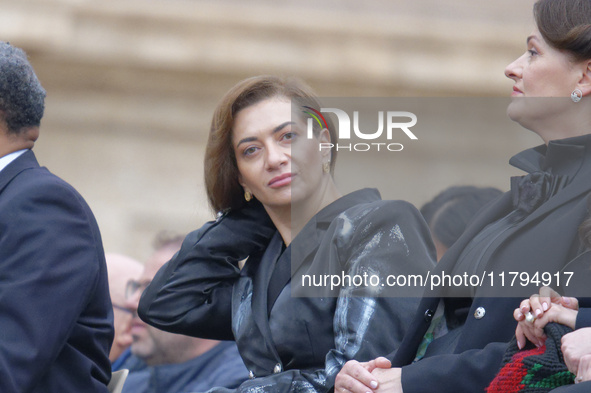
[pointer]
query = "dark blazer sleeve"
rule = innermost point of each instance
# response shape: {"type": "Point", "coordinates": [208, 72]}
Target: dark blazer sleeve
{"type": "Point", "coordinates": [472, 370]}
{"type": "Point", "coordinates": [50, 268]}
{"type": "Point", "coordinates": [191, 294]}
{"type": "Point", "coordinates": [583, 318]}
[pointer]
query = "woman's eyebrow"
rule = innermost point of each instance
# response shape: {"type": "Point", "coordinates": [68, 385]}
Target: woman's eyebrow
{"type": "Point", "coordinates": [282, 126]}
{"type": "Point", "coordinates": [275, 130]}
{"type": "Point", "coordinates": [246, 140]}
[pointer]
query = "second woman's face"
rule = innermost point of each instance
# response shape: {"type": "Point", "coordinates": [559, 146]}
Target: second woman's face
{"type": "Point", "coordinates": [542, 71]}
{"type": "Point", "coordinates": [263, 138]}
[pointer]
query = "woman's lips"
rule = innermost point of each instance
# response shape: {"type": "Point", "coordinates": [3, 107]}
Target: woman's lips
{"type": "Point", "coordinates": [280, 181]}
{"type": "Point", "coordinates": [516, 92]}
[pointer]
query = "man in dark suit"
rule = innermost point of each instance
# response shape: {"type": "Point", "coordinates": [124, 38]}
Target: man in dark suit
{"type": "Point", "coordinates": [56, 320]}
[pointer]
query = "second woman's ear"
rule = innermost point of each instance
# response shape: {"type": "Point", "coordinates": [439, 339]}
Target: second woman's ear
{"type": "Point", "coordinates": [585, 82]}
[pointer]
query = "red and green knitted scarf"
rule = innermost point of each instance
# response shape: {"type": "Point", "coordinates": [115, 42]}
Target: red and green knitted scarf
{"type": "Point", "coordinates": [534, 370]}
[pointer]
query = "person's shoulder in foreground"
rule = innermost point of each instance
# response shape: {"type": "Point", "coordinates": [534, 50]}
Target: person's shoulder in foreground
{"type": "Point", "coordinates": [55, 305]}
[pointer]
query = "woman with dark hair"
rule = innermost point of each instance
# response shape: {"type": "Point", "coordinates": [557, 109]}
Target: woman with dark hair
{"type": "Point", "coordinates": [282, 212]}
{"type": "Point", "coordinates": [532, 228]}
{"type": "Point", "coordinates": [449, 213]}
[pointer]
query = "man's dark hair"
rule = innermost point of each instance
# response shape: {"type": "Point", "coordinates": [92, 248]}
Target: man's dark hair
{"type": "Point", "coordinates": [22, 98]}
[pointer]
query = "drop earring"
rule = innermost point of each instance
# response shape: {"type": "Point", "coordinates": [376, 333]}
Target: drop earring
{"type": "Point", "coordinates": [326, 166]}
{"type": "Point", "coordinates": [247, 196]}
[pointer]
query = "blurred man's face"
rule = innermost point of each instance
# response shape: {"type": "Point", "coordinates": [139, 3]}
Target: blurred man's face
{"type": "Point", "coordinates": [150, 344]}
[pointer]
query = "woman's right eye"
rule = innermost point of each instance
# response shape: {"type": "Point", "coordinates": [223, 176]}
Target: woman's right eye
{"type": "Point", "coordinates": [249, 151]}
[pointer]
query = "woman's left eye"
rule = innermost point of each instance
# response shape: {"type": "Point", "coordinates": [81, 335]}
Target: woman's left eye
{"type": "Point", "coordinates": [288, 136]}
{"type": "Point", "coordinates": [532, 52]}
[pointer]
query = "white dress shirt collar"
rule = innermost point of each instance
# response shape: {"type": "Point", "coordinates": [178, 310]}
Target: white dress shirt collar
{"type": "Point", "coordinates": [7, 159]}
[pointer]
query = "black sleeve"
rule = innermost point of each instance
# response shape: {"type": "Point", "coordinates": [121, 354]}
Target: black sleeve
{"type": "Point", "coordinates": [583, 318]}
{"type": "Point", "coordinates": [191, 294]}
{"type": "Point", "coordinates": [470, 371]}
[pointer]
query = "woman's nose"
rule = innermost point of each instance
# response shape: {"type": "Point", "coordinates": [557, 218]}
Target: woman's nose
{"type": "Point", "coordinates": [513, 70]}
{"type": "Point", "coordinates": [276, 156]}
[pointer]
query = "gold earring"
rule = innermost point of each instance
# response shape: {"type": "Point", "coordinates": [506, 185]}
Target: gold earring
{"type": "Point", "coordinates": [247, 196]}
{"type": "Point", "coordinates": [326, 166]}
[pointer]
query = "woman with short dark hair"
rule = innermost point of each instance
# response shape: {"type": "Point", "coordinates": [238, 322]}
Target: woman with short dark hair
{"type": "Point", "coordinates": [281, 210]}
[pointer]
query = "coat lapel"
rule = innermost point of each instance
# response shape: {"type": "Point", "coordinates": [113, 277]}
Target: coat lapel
{"type": "Point", "coordinates": [568, 156]}
{"type": "Point", "coordinates": [304, 246]}
{"type": "Point", "coordinates": [259, 296]}
{"type": "Point", "coordinates": [570, 192]}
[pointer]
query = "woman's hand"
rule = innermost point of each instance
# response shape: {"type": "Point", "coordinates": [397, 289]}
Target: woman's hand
{"type": "Point", "coordinates": [584, 370]}
{"type": "Point", "coordinates": [389, 381]}
{"type": "Point", "coordinates": [547, 306]}
{"type": "Point", "coordinates": [575, 346]}
{"type": "Point", "coordinates": [356, 377]}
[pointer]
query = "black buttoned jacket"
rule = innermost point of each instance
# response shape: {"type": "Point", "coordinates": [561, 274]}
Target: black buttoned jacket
{"type": "Point", "coordinates": [467, 359]}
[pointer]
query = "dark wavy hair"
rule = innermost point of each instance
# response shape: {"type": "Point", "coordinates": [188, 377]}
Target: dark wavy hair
{"type": "Point", "coordinates": [221, 171]}
{"type": "Point", "coordinates": [449, 213]}
{"type": "Point", "coordinates": [22, 98]}
{"type": "Point", "coordinates": [566, 25]}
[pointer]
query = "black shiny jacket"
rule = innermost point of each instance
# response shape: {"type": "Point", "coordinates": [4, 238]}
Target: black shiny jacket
{"type": "Point", "coordinates": [293, 343]}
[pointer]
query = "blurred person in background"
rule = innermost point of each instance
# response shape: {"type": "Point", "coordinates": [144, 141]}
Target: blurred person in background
{"type": "Point", "coordinates": [175, 363]}
{"type": "Point", "coordinates": [121, 269]}
{"type": "Point", "coordinates": [451, 210]}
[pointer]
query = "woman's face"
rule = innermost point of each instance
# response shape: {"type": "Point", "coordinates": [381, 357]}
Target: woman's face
{"type": "Point", "coordinates": [542, 71]}
{"type": "Point", "coordinates": [264, 135]}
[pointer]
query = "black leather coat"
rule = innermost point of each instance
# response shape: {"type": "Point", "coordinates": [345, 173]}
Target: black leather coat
{"type": "Point", "coordinates": [294, 343]}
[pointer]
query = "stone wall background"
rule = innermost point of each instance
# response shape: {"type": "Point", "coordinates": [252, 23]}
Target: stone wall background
{"type": "Point", "coordinates": [132, 85]}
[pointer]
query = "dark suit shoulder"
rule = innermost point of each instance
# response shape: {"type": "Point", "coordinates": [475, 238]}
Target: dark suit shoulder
{"type": "Point", "coordinates": [39, 185]}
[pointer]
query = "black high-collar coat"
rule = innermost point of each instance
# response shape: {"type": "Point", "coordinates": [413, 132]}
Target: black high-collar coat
{"type": "Point", "coordinates": [545, 240]}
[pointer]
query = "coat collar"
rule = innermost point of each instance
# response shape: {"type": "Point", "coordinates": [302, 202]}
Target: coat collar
{"type": "Point", "coordinates": [560, 157]}
{"type": "Point", "coordinates": [569, 157]}
{"type": "Point", "coordinates": [25, 161]}
{"type": "Point", "coordinates": [309, 238]}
